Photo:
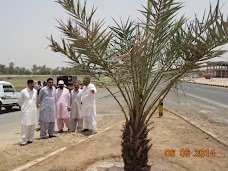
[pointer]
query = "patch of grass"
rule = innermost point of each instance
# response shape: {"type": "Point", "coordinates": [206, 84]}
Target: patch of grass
{"type": "Point", "coordinates": [21, 82]}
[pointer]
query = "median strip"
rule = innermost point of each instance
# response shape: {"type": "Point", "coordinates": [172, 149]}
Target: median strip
{"type": "Point", "coordinates": [199, 127]}
{"type": "Point", "coordinates": [215, 85]}
{"type": "Point", "coordinates": [30, 164]}
{"type": "Point", "coordinates": [26, 166]}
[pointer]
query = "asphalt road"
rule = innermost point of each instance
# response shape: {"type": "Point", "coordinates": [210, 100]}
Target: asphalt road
{"type": "Point", "coordinates": [10, 120]}
{"type": "Point", "coordinates": [208, 102]}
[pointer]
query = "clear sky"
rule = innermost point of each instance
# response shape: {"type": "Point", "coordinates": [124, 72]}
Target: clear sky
{"type": "Point", "coordinates": [25, 24]}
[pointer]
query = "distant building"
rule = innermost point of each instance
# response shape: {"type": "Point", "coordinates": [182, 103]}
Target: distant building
{"type": "Point", "coordinates": [217, 69]}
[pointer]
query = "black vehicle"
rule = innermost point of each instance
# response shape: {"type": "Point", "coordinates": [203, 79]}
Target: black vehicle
{"type": "Point", "coordinates": [68, 80]}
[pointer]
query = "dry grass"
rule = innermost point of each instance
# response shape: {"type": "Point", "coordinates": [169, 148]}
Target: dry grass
{"type": "Point", "coordinates": [20, 82]}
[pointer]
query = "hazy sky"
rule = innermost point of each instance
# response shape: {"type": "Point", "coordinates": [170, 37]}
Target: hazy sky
{"type": "Point", "coordinates": [25, 24]}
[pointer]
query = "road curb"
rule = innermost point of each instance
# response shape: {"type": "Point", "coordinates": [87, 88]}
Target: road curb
{"type": "Point", "coordinates": [200, 128]}
{"type": "Point", "coordinates": [34, 162]}
{"type": "Point", "coordinates": [214, 85]}
{"type": "Point", "coordinates": [30, 164]}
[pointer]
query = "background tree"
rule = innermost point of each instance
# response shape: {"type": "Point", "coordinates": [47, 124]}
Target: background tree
{"type": "Point", "coordinates": [2, 69]}
{"type": "Point", "coordinates": [34, 69]}
{"type": "Point", "coordinates": [11, 68]}
{"type": "Point", "coordinates": [16, 70]}
{"type": "Point", "coordinates": [38, 70]}
{"type": "Point", "coordinates": [143, 59]}
{"type": "Point", "coordinates": [44, 70]}
{"type": "Point", "coordinates": [55, 71]}
{"type": "Point", "coordinates": [27, 72]}
{"type": "Point", "coordinates": [21, 71]}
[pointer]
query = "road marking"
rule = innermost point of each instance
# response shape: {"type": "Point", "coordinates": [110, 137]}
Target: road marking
{"type": "Point", "coordinates": [208, 91]}
{"type": "Point", "coordinates": [28, 165]}
{"type": "Point", "coordinates": [218, 104]}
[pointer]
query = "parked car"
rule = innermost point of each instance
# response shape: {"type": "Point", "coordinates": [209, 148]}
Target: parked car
{"type": "Point", "coordinates": [8, 95]}
{"type": "Point", "coordinates": [68, 80]}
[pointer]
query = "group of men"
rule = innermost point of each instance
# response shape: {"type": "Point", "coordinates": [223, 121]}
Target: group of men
{"type": "Point", "coordinates": [76, 109]}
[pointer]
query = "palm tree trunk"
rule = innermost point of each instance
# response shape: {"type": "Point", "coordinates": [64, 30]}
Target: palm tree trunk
{"type": "Point", "coordinates": [135, 147]}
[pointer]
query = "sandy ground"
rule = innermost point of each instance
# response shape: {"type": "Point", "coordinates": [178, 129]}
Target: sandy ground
{"type": "Point", "coordinates": [169, 133]}
{"type": "Point", "coordinates": [215, 81]}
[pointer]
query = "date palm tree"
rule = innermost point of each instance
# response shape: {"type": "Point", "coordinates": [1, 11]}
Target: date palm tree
{"type": "Point", "coordinates": [144, 59]}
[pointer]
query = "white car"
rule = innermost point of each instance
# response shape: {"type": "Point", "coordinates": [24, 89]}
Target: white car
{"type": "Point", "coordinates": [8, 95]}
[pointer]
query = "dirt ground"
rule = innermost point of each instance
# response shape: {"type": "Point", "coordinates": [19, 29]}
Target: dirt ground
{"type": "Point", "coordinates": [170, 133]}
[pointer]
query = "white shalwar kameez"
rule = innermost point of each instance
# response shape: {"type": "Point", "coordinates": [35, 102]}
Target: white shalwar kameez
{"type": "Point", "coordinates": [88, 108]}
{"type": "Point", "coordinates": [75, 112]}
{"type": "Point", "coordinates": [27, 102]}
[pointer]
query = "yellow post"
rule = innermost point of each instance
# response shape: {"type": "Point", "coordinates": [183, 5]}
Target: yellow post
{"type": "Point", "coordinates": [160, 107]}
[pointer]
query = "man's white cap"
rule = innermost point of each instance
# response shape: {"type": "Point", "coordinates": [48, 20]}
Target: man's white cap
{"type": "Point", "coordinates": [61, 82]}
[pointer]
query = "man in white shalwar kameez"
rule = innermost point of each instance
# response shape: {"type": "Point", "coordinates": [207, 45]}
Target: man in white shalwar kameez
{"type": "Point", "coordinates": [62, 106]}
{"type": "Point", "coordinates": [38, 113]}
{"type": "Point", "coordinates": [28, 103]}
{"type": "Point", "coordinates": [75, 101]}
{"type": "Point", "coordinates": [88, 108]}
{"type": "Point", "coordinates": [47, 99]}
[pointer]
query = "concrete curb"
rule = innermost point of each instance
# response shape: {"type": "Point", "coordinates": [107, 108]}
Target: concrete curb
{"type": "Point", "coordinates": [30, 164]}
{"type": "Point", "coordinates": [200, 128]}
{"type": "Point", "coordinates": [215, 85]}
{"type": "Point", "coordinates": [34, 162]}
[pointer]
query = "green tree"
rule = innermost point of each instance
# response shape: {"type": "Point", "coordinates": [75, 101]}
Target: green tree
{"type": "Point", "coordinates": [27, 72]}
{"type": "Point", "coordinates": [34, 69]}
{"type": "Point", "coordinates": [11, 68]}
{"type": "Point", "coordinates": [139, 57]}
{"type": "Point", "coordinates": [21, 71]}
{"type": "Point", "coordinates": [54, 71]}
{"type": "Point", "coordinates": [2, 69]}
{"type": "Point", "coordinates": [17, 69]}
{"type": "Point", "coordinates": [44, 70]}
